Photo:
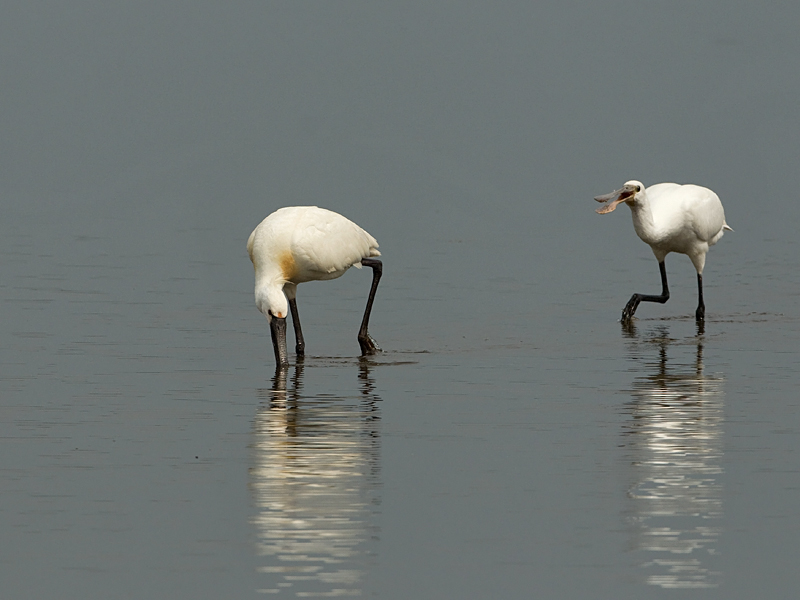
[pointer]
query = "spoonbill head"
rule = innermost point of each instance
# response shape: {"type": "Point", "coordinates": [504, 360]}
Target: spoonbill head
{"type": "Point", "coordinates": [297, 244]}
{"type": "Point", "coordinates": [687, 219]}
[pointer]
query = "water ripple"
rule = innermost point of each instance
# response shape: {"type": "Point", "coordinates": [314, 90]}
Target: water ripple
{"type": "Point", "coordinates": [674, 439]}
{"type": "Point", "coordinates": [315, 482]}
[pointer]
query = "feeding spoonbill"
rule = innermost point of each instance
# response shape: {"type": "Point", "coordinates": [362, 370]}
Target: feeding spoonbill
{"type": "Point", "coordinates": [671, 218]}
{"type": "Point", "coordinates": [305, 243]}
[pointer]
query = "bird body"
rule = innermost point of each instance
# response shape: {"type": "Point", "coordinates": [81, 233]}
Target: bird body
{"type": "Point", "coordinates": [297, 244]}
{"type": "Point", "coordinates": [687, 219]}
{"type": "Point", "coordinates": [669, 217]}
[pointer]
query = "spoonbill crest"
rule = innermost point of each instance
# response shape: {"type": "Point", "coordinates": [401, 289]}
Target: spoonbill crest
{"type": "Point", "coordinates": [305, 243]}
{"type": "Point", "coordinates": [671, 218]}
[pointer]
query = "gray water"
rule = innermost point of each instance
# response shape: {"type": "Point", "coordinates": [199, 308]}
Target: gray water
{"type": "Point", "coordinates": [514, 440]}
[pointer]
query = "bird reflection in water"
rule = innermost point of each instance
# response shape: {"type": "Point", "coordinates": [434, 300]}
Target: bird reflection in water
{"type": "Point", "coordinates": [674, 440]}
{"type": "Point", "coordinates": [316, 485]}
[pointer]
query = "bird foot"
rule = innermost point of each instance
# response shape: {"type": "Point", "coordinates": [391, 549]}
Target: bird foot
{"type": "Point", "coordinates": [368, 345]}
{"type": "Point", "coordinates": [630, 308]}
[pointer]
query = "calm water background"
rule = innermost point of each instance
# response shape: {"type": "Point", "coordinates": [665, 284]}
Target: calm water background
{"type": "Point", "coordinates": [514, 440]}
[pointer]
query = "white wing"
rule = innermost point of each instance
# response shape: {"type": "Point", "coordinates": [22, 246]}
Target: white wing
{"type": "Point", "coordinates": [325, 244]}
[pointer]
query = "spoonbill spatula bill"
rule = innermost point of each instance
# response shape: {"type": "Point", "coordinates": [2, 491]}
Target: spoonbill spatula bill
{"type": "Point", "coordinates": [297, 244]}
{"type": "Point", "coordinates": [669, 217]}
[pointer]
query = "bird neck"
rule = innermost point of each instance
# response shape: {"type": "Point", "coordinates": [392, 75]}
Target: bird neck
{"type": "Point", "coordinates": [269, 292]}
{"type": "Point", "coordinates": [643, 221]}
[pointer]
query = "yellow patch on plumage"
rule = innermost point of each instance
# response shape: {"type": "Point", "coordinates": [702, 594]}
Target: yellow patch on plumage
{"type": "Point", "coordinates": [288, 266]}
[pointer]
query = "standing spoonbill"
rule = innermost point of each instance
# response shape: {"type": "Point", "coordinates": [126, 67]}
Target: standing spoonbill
{"type": "Point", "coordinates": [305, 243]}
{"type": "Point", "coordinates": [671, 218]}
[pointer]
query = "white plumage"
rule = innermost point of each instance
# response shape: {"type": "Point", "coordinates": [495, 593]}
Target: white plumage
{"type": "Point", "coordinates": [297, 244]}
{"type": "Point", "coordinates": [669, 217]}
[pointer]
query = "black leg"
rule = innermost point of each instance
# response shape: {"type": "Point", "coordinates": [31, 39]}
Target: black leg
{"type": "Point", "coordinates": [368, 345]}
{"type": "Point", "coordinates": [300, 345]}
{"type": "Point", "coordinates": [700, 314]}
{"type": "Point", "coordinates": [277, 328]}
{"type": "Point", "coordinates": [633, 303]}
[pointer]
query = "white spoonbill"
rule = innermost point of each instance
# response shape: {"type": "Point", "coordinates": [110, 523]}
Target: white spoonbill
{"type": "Point", "coordinates": [305, 243]}
{"type": "Point", "coordinates": [671, 218]}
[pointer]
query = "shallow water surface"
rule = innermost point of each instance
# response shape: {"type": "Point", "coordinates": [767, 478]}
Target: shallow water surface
{"type": "Point", "coordinates": [315, 479]}
{"type": "Point", "coordinates": [513, 440]}
{"type": "Point", "coordinates": [153, 450]}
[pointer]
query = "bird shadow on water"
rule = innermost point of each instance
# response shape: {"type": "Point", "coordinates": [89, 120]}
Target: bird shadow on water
{"type": "Point", "coordinates": [315, 483]}
{"type": "Point", "coordinates": [672, 439]}
{"type": "Point", "coordinates": [382, 359]}
{"type": "Point", "coordinates": [750, 317]}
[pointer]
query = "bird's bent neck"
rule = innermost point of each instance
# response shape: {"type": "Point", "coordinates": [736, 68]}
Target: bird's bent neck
{"type": "Point", "coordinates": [269, 291]}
